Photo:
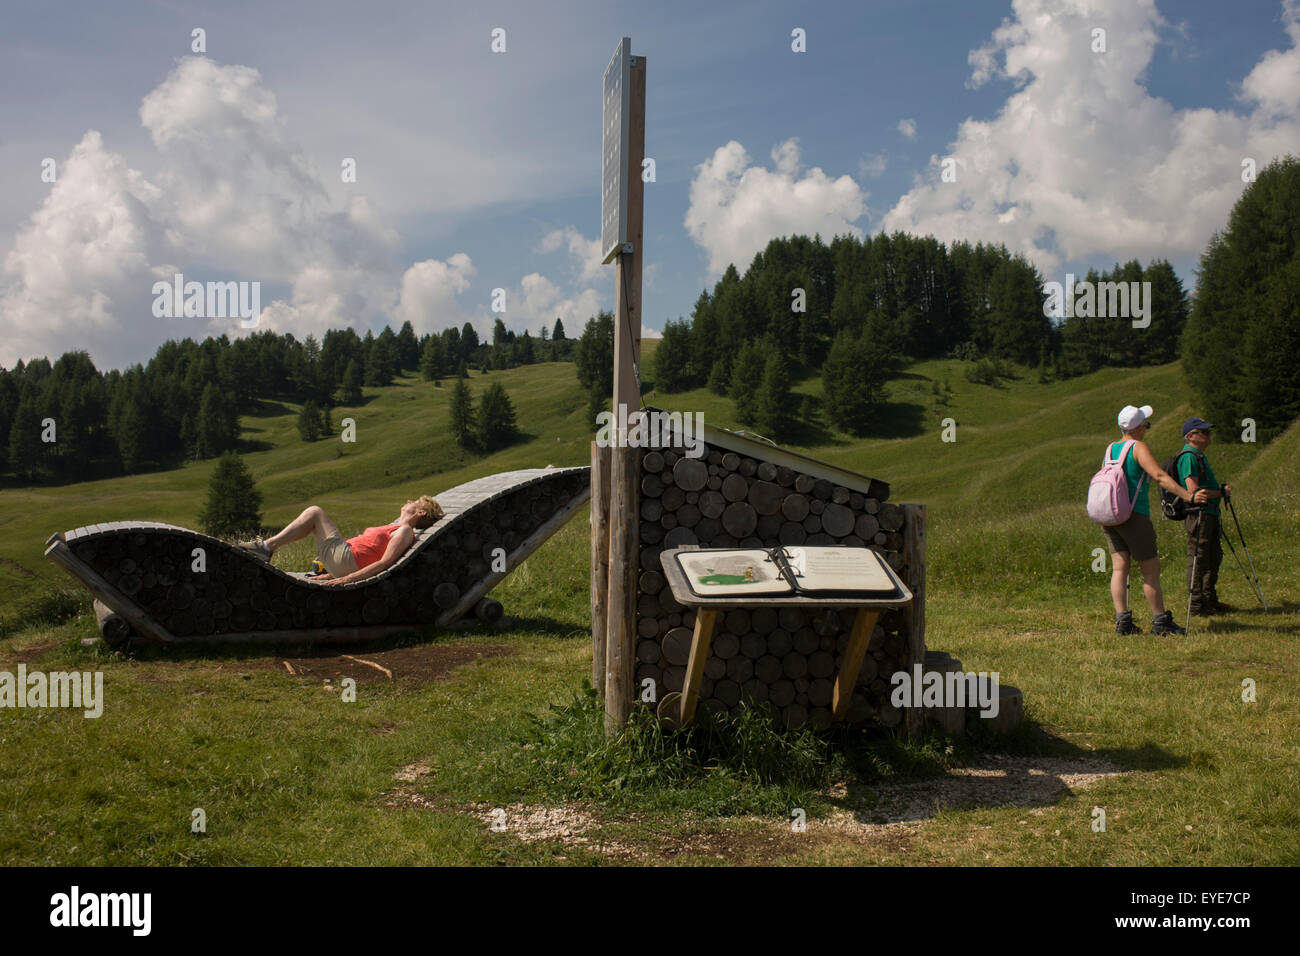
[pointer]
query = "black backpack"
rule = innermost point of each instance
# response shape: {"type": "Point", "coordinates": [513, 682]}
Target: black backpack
{"type": "Point", "coordinates": [1175, 508]}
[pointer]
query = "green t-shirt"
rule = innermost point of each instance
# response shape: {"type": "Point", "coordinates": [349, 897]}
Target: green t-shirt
{"type": "Point", "coordinates": [1187, 465]}
{"type": "Point", "coordinates": [1133, 473]}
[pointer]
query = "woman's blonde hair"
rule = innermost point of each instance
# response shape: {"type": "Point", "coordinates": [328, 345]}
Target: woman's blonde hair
{"type": "Point", "coordinates": [430, 511]}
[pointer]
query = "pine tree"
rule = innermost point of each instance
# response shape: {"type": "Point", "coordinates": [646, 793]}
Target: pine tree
{"type": "Point", "coordinates": [433, 358]}
{"type": "Point", "coordinates": [525, 350]}
{"type": "Point", "coordinates": [746, 377]}
{"type": "Point", "coordinates": [25, 447]}
{"type": "Point", "coordinates": [462, 371]}
{"type": "Point", "coordinates": [408, 348]}
{"type": "Point", "coordinates": [352, 384]}
{"type": "Point", "coordinates": [463, 425]}
{"type": "Point", "coordinates": [496, 418]}
{"type": "Point", "coordinates": [598, 400]}
{"type": "Point", "coordinates": [593, 357]}
{"type": "Point", "coordinates": [854, 376]}
{"type": "Point", "coordinates": [381, 364]}
{"type": "Point", "coordinates": [558, 334]}
{"type": "Point", "coordinates": [1240, 341]}
{"type": "Point", "coordinates": [311, 424]}
{"type": "Point", "coordinates": [720, 377]}
{"type": "Point", "coordinates": [216, 429]}
{"type": "Point", "coordinates": [234, 503]}
{"type": "Point", "coordinates": [672, 359]}
{"type": "Point", "coordinates": [773, 402]}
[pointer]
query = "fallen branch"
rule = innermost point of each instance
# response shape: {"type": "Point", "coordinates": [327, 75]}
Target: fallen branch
{"type": "Point", "coordinates": [378, 667]}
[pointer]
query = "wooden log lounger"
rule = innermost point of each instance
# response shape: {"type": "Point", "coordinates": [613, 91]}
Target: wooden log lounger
{"type": "Point", "coordinates": [167, 584]}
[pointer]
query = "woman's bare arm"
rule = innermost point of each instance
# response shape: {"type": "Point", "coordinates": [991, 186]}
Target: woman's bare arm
{"type": "Point", "coordinates": [1161, 477]}
{"type": "Point", "coordinates": [398, 542]}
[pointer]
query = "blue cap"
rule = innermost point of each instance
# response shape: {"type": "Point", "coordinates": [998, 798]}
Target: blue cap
{"type": "Point", "coordinates": [1196, 425]}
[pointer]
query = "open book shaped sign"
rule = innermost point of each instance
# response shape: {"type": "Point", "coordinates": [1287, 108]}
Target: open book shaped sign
{"type": "Point", "coordinates": [809, 572]}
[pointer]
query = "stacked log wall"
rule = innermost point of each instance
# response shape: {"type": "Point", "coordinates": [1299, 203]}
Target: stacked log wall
{"type": "Point", "coordinates": [785, 656]}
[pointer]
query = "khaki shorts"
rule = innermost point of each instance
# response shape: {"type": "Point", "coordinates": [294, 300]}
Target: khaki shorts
{"type": "Point", "coordinates": [1136, 537]}
{"type": "Point", "coordinates": [335, 554]}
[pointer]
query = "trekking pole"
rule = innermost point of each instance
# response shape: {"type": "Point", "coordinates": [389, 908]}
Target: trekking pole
{"type": "Point", "coordinates": [1191, 581]}
{"type": "Point", "coordinates": [1237, 557]}
{"type": "Point", "coordinates": [1255, 577]}
{"type": "Point", "coordinates": [1252, 578]}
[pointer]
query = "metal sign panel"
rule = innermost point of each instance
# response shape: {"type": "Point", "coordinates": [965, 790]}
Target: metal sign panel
{"type": "Point", "coordinates": [614, 148]}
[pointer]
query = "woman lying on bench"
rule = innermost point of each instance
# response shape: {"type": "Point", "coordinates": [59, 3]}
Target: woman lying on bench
{"type": "Point", "coordinates": [372, 552]}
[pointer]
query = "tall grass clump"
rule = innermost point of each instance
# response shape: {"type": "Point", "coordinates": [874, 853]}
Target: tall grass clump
{"type": "Point", "coordinates": [723, 763]}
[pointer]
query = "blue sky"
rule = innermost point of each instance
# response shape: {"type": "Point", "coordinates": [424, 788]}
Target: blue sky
{"type": "Point", "coordinates": [480, 170]}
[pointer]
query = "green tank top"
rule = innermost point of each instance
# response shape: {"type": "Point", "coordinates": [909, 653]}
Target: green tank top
{"type": "Point", "coordinates": [1133, 474]}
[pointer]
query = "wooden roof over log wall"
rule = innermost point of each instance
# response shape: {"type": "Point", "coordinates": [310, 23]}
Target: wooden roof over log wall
{"type": "Point", "coordinates": [754, 447]}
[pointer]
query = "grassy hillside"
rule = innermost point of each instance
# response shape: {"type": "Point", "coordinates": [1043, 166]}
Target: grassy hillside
{"type": "Point", "coordinates": [402, 449]}
{"type": "Point", "coordinates": [289, 774]}
{"type": "Point", "coordinates": [1023, 451]}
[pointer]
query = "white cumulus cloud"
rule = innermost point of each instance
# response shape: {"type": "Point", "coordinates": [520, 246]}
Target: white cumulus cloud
{"type": "Point", "coordinates": [873, 165]}
{"type": "Point", "coordinates": [584, 253]}
{"type": "Point", "coordinates": [429, 290]}
{"type": "Point", "coordinates": [1081, 160]}
{"type": "Point", "coordinates": [234, 198]}
{"type": "Point", "coordinates": [736, 207]}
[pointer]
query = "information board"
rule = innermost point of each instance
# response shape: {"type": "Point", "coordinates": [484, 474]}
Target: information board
{"type": "Point", "coordinates": [614, 148]}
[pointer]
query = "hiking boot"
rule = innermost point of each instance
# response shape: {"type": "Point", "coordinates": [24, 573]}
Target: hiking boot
{"type": "Point", "coordinates": [256, 547]}
{"type": "Point", "coordinates": [1163, 624]}
{"type": "Point", "coordinates": [1124, 624]}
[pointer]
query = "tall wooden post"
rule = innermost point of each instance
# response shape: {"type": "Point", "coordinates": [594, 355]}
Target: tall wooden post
{"type": "Point", "coordinates": [620, 653]}
{"type": "Point", "coordinates": [914, 578]}
{"type": "Point", "coordinates": [599, 562]}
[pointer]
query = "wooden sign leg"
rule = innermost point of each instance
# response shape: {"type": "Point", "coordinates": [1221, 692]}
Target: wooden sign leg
{"type": "Point", "coordinates": [700, 644]}
{"type": "Point", "coordinates": [851, 664]}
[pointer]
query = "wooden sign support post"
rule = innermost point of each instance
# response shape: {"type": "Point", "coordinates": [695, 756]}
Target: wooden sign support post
{"type": "Point", "coordinates": [599, 563]}
{"type": "Point", "coordinates": [620, 652]}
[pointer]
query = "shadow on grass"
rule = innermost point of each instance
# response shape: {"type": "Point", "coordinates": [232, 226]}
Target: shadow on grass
{"type": "Point", "coordinates": [1028, 767]}
{"type": "Point", "coordinates": [812, 435]}
{"type": "Point", "coordinates": [46, 609]}
{"type": "Point", "coordinates": [1273, 621]}
{"type": "Point", "coordinates": [746, 762]}
{"type": "Point", "coordinates": [1286, 607]}
{"type": "Point", "coordinates": [468, 628]}
{"type": "Point", "coordinates": [897, 420]}
{"type": "Point", "coordinates": [266, 408]}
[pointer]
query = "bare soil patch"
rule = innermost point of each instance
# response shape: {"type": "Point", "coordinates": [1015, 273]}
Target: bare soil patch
{"type": "Point", "coordinates": [994, 780]}
{"type": "Point", "coordinates": [11, 565]}
{"type": "Point", "coordinates": [415, 666]}
{"type": "Point", "coordinates": [886, 817]}
{"type": "Point", "coordinates": [29, 654]}
{"type": "Point", "coordinates": [421, 664]}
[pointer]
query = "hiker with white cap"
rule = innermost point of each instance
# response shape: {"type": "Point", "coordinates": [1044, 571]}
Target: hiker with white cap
{"type": "Point", "coordinates": [1117, 500]}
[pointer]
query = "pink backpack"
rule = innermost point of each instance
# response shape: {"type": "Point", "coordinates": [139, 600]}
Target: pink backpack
{"type": "Point", "coordinates": [1108, 500]}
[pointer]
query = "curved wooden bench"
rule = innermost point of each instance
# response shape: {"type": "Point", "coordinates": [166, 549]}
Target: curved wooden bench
{"type": "Point", "coordinates": [173, 585]}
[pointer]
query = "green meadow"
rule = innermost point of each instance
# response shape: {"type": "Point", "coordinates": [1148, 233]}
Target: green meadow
{"type": "Point", "coordinates": [1153, 731]}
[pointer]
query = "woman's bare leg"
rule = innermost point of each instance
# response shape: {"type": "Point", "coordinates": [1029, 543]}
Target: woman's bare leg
{"type": "Point", "coordinates": [1119, 564]}
{"type": "Point", "coordinates": [1151, 585]}
{"type": "Point", "coordinates": [313, 521]}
